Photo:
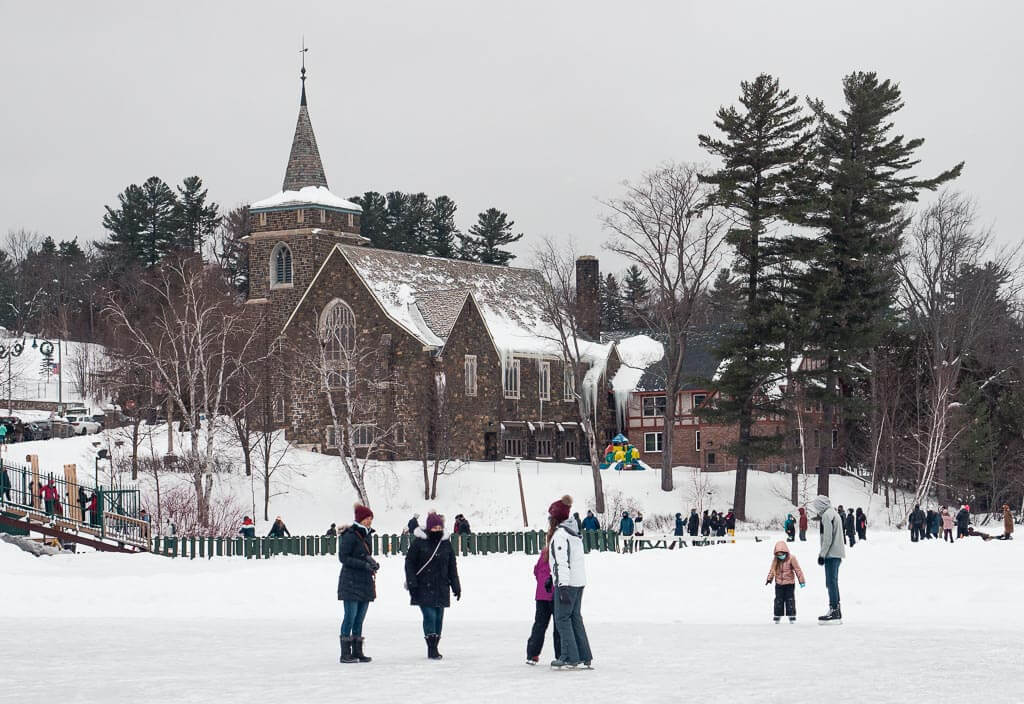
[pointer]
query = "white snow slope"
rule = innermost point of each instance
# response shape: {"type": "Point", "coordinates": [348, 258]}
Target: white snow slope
{"type": "Point", "coordinates": [311, 491]}
{"type": "Point", "coordinates": [923, 622]}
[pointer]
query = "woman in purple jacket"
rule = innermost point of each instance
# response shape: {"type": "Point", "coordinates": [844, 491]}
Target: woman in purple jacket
{"type": "Point", "coordinates": [545, 605]}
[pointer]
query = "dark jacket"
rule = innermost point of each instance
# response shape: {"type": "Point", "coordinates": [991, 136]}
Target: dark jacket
{"type": "Point", "coordinates": [694, 523]}
{"type": "Point", "coordinates": [356, 581]}
{"type": "Point", "coordinates": [680, 523]}
{"type": "Point", "coordinates": [963, 519]}
{"type": "Point", "coordinates": [730, 520]}
{"type": "Point", "coordinates": [437, 577]}
{"type": "Point", "coordinates": [626, 526]}
{"type": "Point", "coordinates": [934, 521]}
{"type": "Point", "coordinates": [917, 517]}
{"type": "Point", "coordinates": [590, 523]}
{"type": "Point", "coordinates": [278, 530]}
{"type": "Point", "coordinates": [803, 519]}
{"type": "Point", "coordinates": [850, 524]}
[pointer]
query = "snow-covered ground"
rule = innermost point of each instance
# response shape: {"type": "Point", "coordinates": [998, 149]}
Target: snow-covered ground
{"type": "Point", "coordinates": [310, 491]}
{"type": "Point", "coordinates": [923, 622]}
{"type": "Point", "coordinates": [30, 380]}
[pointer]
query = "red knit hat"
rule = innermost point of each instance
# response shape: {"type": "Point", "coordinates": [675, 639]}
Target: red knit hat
{"type": "Point", "coordinates": [560, 509]}
{"type": "Point", "coordinates": [362, 513]}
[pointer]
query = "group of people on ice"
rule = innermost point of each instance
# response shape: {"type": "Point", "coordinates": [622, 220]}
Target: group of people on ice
{"type": "Point", "coordinates": [432, 578]}
{"type": "Point", "coordinates": [925, 525]}
{"type": "Point", "coordinates": [716, 524]}
{"type": "Point", "coordinates": [855, 525]}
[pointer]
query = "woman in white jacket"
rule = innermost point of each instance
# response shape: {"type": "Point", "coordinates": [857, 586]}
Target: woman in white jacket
{"type": "Point", "coordinates": [568, 578]}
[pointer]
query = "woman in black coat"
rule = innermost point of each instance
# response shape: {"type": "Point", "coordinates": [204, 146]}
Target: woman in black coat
{"type": "Point", "coordinates": [356, 586]}
{"type": "Point", "coordinates": [430, 574]}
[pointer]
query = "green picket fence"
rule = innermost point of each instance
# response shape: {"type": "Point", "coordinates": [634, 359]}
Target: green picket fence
{"type": "Point", "coordinates": [529, 542]}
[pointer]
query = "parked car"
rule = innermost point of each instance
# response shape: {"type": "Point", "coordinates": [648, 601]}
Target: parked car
{"type": "Point", "coordinates": [83, 425]}
{"type": "Point", "coordinates": [39, 430]}
{"type": "Point", "coordinates": [101, 419]}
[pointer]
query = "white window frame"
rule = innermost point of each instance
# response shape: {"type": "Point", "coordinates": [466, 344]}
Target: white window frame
{"type": "Point", "coordinates": [399, 434]}
{"type": "Point", "coordinates": [693, 400]}
{"type": "Point", "coordinates": [330, 436]}
{"type": "Point", "coordinates": [351, 219]}
{"type": "Point", "coordinates": [469, 371]}
{"type": "Point", "coordinates": [279, 409]}
{"type": "Point", "coordinates": [512, 373]}
{"type": "Point", "coordinates": [654, 403]}
{"type": "Point", "coordinates": [548, 445]}
{"type": "Point", "coordinates": [570, 448]}
{"type": "Point", "coordinates": [520, 443]}
{"type": "Point", "coordinates": [323, 215]}
{"type": "Point", "coordinates": [658, 442]}
{"type": "Point", "coordinates": [544, 381]}
{"type": "Point", "coordinates": [262, 219]}
{"type": "Point", "coordinates": [568, 383]}
{"type": "Point", "coordinates": [696, 440]}
{"type": "Point", "coordinates": [362, 435]}
{"type": "Point", "coordinates": [286, 276]}
{"type": "Point", "coordinates": [300, 216]}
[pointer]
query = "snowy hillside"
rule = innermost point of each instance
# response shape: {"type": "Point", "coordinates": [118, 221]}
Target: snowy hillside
{"type": "Point", "coordinates": [33, 381]}
{"type": "Point", "coordinates": [310, 491]}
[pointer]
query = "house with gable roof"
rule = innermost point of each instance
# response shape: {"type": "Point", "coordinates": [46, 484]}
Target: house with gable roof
{"type": "Point", "coordinates": [474, 331]}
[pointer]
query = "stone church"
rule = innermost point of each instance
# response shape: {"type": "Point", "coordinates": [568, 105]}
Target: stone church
{"type": "Point", "coordinates": [428, 332]}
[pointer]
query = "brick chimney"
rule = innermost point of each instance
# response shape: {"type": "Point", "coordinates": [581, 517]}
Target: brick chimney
{"type": "Point", "coordinates": [588, 299]}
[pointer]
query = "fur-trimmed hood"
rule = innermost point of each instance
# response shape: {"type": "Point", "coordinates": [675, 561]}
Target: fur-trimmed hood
{"type": "Point", "coordinates": [420, 533]}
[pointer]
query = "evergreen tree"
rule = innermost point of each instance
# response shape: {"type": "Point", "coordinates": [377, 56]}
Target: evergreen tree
{"type": "Point", "coordinates": [636, 297]}
{"type": "Point", "coordinates": [763, 150]}
{"type": "Point", "coordinates": [231, 251]}
{"type": "Point", "coordinates": [8, 319]}
{"type": "Point", "coordinates": [373, 222]}
{"type": "Point", "coordinates": [197, 220]}
{"type": "Point", "coordinates": [612, 317]}
{"type": "Point", "coordinates": [492, 231]}
{"type": "Point", "coordinates": [724, 300]}
{"type": "Point", "coordinates": [145, 226]}
{"type": "Point", "coordinates": [441, 231]}
{"type": "Point", "coordinates": [853, 195]}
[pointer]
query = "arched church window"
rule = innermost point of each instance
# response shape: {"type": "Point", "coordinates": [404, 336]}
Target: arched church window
{"type": "Point", "coordinates": [338, 336]}
{"type": "Point", "coordinates": [281, 265]}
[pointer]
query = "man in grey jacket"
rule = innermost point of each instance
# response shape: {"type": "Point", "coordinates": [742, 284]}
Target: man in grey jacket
{"type": "Point", "coordinates": [831, 554]}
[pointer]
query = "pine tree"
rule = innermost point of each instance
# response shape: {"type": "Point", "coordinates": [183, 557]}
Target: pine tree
{"type": "Point", "coordinates": [724, 300]}
{"type": "Point", "coordinates": [145, 226]}
{"type": "Point", "coordinates": [612, 317]}
{"type": "Point", "coordinates": [442, 231]}
{"type": "Point", "coordinates": [231, 251]}
{"type": "Point", "coordinates": [853, 196]}
{"type": "Point", "coordinates": [636, 297]}
{"type": "Point", "coordinates": [763, 152]}
{"type": "Point", "coordinates": [373, 222]}
{"type": "Point", "coordinates": [492, 231]}
{"type": "Point", "coordinates": [197, 220]}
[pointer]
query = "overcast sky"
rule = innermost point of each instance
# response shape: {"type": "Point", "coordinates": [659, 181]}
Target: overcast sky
{"type": "Point", "coordinates": [536, 108]}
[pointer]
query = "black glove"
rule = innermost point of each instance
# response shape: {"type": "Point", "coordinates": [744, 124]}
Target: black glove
{"type": "Point", "coordinates": [458, 596]}
{"type": "Point", "coordinates": [374, 565]}
{"type": "Point", "coordinates": [547, 584]}
{"type": "Point", "coordinates": [821, 560]}
{"type": "Point", "coordinates": [563, 595]}
{"type": "Point", "coordinates": [768, 581]}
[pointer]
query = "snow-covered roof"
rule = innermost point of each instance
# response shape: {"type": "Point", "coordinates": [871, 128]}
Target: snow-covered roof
{"type": "Point", "coordinates": [636, 353]}
{"type": "Point", "coordinates": [309, 195]}
{"type": "Point", "coordinates": [426, 294]}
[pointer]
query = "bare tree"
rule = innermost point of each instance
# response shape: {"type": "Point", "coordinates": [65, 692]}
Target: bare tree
{"type": "Point", "coordinates": [950, 302]}
{"type": "Point", "coordinates": [431, 436]}
{"type": "Point", "coordinates": [662, 225]}
{"type": "Point", "coordinates": [584, 360]}
{"type": "Point", "coordinates": [188, 345]}
{"type": "Point", "coordinates": [360, 394]}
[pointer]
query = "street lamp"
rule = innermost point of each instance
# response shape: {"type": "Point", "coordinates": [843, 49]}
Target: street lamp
{"type": "Point", "coordinates": [101, 455]}
{"type": "Point", "coordinates": [9, 353]}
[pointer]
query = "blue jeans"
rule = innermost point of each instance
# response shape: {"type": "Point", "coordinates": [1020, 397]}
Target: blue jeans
{"type": "Point", "coordinates": [575, 647]}
{"type": "Point", "coordinates": [433, 618]}
{"type": "Point", "coordinates": [352, 623]}
{"type": "Point", "coordinates": [832, 580]}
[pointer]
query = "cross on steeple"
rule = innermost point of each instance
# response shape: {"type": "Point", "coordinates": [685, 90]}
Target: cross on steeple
{"type": "Point", "coordinates": [302, 74]}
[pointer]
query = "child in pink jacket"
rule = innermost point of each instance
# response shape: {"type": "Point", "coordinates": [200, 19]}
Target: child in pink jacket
{"type": "Point", "coordinates": [545, 608]}
{"type": "Point", "coordinates": [785, 572]}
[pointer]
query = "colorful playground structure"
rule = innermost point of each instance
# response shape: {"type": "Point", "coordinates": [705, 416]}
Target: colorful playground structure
{"type": "Point", "coordinates": [620, 455]}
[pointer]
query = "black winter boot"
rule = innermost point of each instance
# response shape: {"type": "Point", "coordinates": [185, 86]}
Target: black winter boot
{"type": "Point", "coordinates": [346, 650]}
{"type": "Point", "coordinates": [357, 650]}
{"type": "Point", "coordinates": [432, 641]}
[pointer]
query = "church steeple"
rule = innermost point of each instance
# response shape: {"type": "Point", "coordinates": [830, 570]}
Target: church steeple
{"type": "Point", "coordinates": [304, 165]}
